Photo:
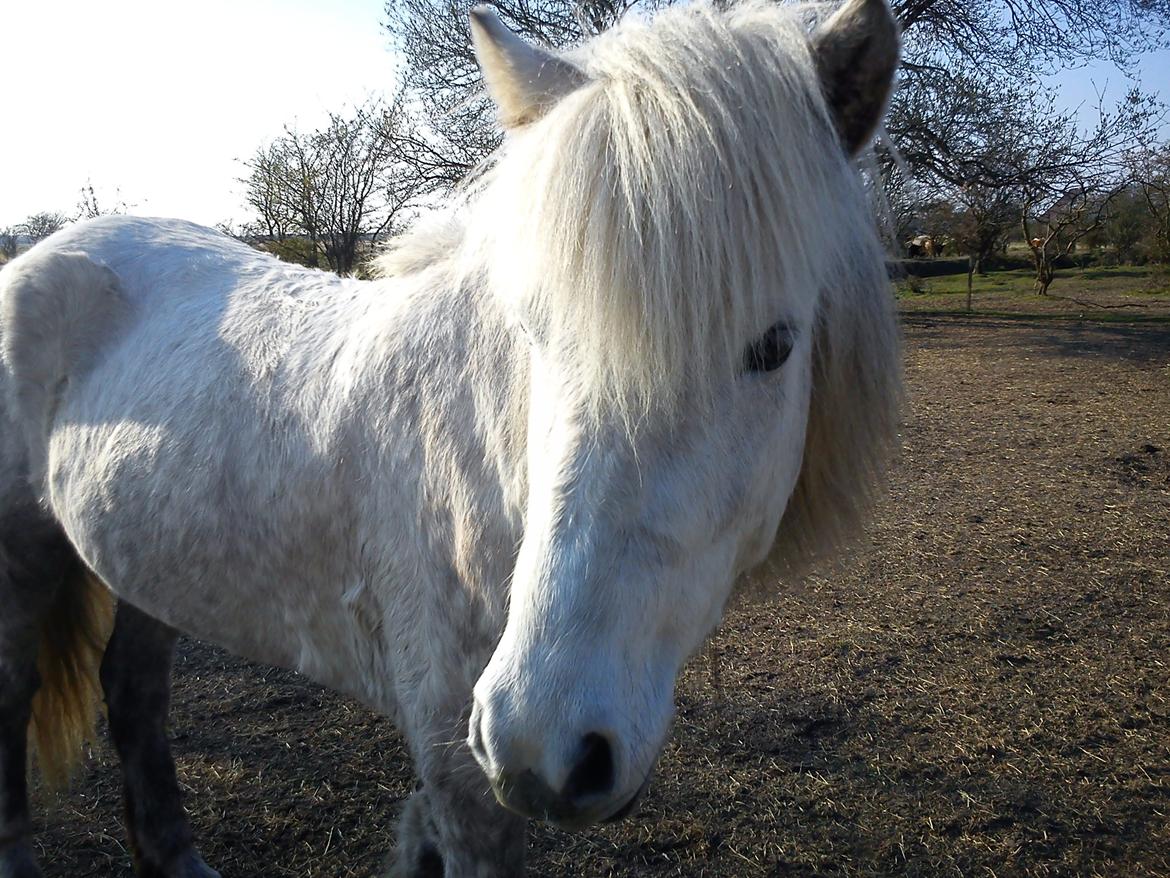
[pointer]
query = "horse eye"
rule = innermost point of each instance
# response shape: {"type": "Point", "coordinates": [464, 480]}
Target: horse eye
{"type": "Point", "coordinates": [768, 353]}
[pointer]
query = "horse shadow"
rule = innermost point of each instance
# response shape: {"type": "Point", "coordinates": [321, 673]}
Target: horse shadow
{"type": "Point", "coordinates": [1142, 343]}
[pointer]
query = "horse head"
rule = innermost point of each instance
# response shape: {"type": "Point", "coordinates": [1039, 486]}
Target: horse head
{"type": "Point", "coordinates": [677, 233]}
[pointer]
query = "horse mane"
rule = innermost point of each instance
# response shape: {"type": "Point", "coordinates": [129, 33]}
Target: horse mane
{"type": "Point", "coordinates": [425, 244]}
{"type": "Point", "coordinates": [852, 426]}
{"type": "Point", "coordinates": [675, 206]}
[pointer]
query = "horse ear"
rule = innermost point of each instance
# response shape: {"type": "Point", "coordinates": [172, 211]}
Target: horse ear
{"type": "Point", "coordinates": [524, 80]}
{"type": "Point", "coordinates": [856, 52]}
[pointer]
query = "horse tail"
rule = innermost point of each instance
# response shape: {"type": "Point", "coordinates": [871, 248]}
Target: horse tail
{"type": "Point", "coordinates": [74, 631]}
{"type": "Point", "coordinates": [55, 308]}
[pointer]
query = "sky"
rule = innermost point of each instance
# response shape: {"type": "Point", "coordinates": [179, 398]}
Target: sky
{"type": "Point", "coordinates": [1079, 88]}
{"type": "Point", "coordinates": [155, 102]}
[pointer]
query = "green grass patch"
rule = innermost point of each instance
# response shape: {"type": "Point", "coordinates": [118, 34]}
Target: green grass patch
{"type": "Point", "coordinates": [1123, 294]}
{"type": "Point", "coordinates": [1124, 281]}
{"type": "Point", "coordinates": [1019, 282]}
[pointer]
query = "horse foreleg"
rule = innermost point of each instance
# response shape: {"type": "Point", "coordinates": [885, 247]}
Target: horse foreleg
{"type": "Point", "coordinates": [136, 676]}
{"type": "Point", "coordinates": [417, 855]}
{"type": "Point", "coordinates": [452, 827]}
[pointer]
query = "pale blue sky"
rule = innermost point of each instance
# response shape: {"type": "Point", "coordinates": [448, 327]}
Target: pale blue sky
{"type": "Point", "coordinates": [1080, 87]}
{"type": "Point", "coordinates": [155, 101]}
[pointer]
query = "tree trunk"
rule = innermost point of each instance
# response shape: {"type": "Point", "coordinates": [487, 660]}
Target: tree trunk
{"type": "Point", "coordinates": [972, 264]}
{"type": "Point", "coordinates": [314, 260]}
{"type": "Point", "coordinates": [1045, 274]}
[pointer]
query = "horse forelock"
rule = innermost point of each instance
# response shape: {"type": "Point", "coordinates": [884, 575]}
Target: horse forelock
{"type": "Point", "coordinates": [688, 196]}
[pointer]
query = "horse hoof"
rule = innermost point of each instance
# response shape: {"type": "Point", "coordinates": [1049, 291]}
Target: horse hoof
{"type": "Point", "coordinates": [189, 865]}
{"type": "Point", "coordinates": [426, 862]}
{"type": "Point", "coordinates": [17, 861]}
{"type": "Point", "coordinates": [196, 868]}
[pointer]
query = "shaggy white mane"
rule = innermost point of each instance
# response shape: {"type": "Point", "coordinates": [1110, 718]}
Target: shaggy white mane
{"type": "Point", "coordinates": [662, 216]}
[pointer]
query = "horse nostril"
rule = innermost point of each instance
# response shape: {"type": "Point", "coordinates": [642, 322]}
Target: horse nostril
{"type": "Point", "coordinates": [593, 775]}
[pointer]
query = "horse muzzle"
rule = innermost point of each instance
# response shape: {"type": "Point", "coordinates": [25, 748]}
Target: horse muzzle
{"type": "Point", "coordinates": [528, 796]}
{"type": "Point", "coordinates": [587, 794]}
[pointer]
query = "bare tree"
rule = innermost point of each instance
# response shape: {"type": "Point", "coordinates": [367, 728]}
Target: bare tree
{"type": "Point", "coordinates": [1014, 36]}
{"type": "Point", "coordinates": [986, 216]}
{"type": "Point", "coordinates": [367, 187]}
{"type": "Point", "coordinates": [962, 137]}
{"type": "Point", "coordinates": [1126, 223]}
{"type": "Point", "coordinates": [1007, 155]}
{"type": "Point", "coordinates": [442, 78]}
{"type": "Point", "coordinates": [903, 206]}
{"type": "Point", "coordinates": [1150, 167]}
{"type": "Point", "coordinates": [1070, 180]}
{"type": "Point", "coordinates": [9, 242]}
{"type": "Point", "coordinates": [272, 187]}
{"type": "Point", "coordinates": [337, 188]}
{"type": "Point", "coordinates": [1054, 233]}
{"type": "Point", "coordinates": [1010, 41]}
{"type": "Point", "coordinates": [89, 206]}
{"type": "Point", "coordinates": [40, 225]}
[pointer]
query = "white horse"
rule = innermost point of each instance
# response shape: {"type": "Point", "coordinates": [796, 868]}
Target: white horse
{"type": "Point", "coordinates": [500, 494]}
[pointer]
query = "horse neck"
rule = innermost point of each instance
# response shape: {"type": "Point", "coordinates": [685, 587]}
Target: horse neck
{"type": "Point", "coordinates": [460, 390]}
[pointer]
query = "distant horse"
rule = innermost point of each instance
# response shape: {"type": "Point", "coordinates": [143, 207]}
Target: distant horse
{"type": "Point", "coordinates": [500, 494]}
{"type": "Point", "coordinates": [922, 246]}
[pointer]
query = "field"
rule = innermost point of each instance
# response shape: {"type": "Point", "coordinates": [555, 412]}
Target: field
{"type": "Point", "coordinates": [1112, 294]}
{"type": "Point", "coordinates": [982, 689]}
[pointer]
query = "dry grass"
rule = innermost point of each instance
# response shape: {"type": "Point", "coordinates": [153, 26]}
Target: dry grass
{"type": "Point", "coordinates": [982, 690]}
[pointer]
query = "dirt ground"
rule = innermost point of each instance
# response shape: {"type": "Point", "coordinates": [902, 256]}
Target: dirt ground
{"type": "Point", "coordinates": [983, 690]}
